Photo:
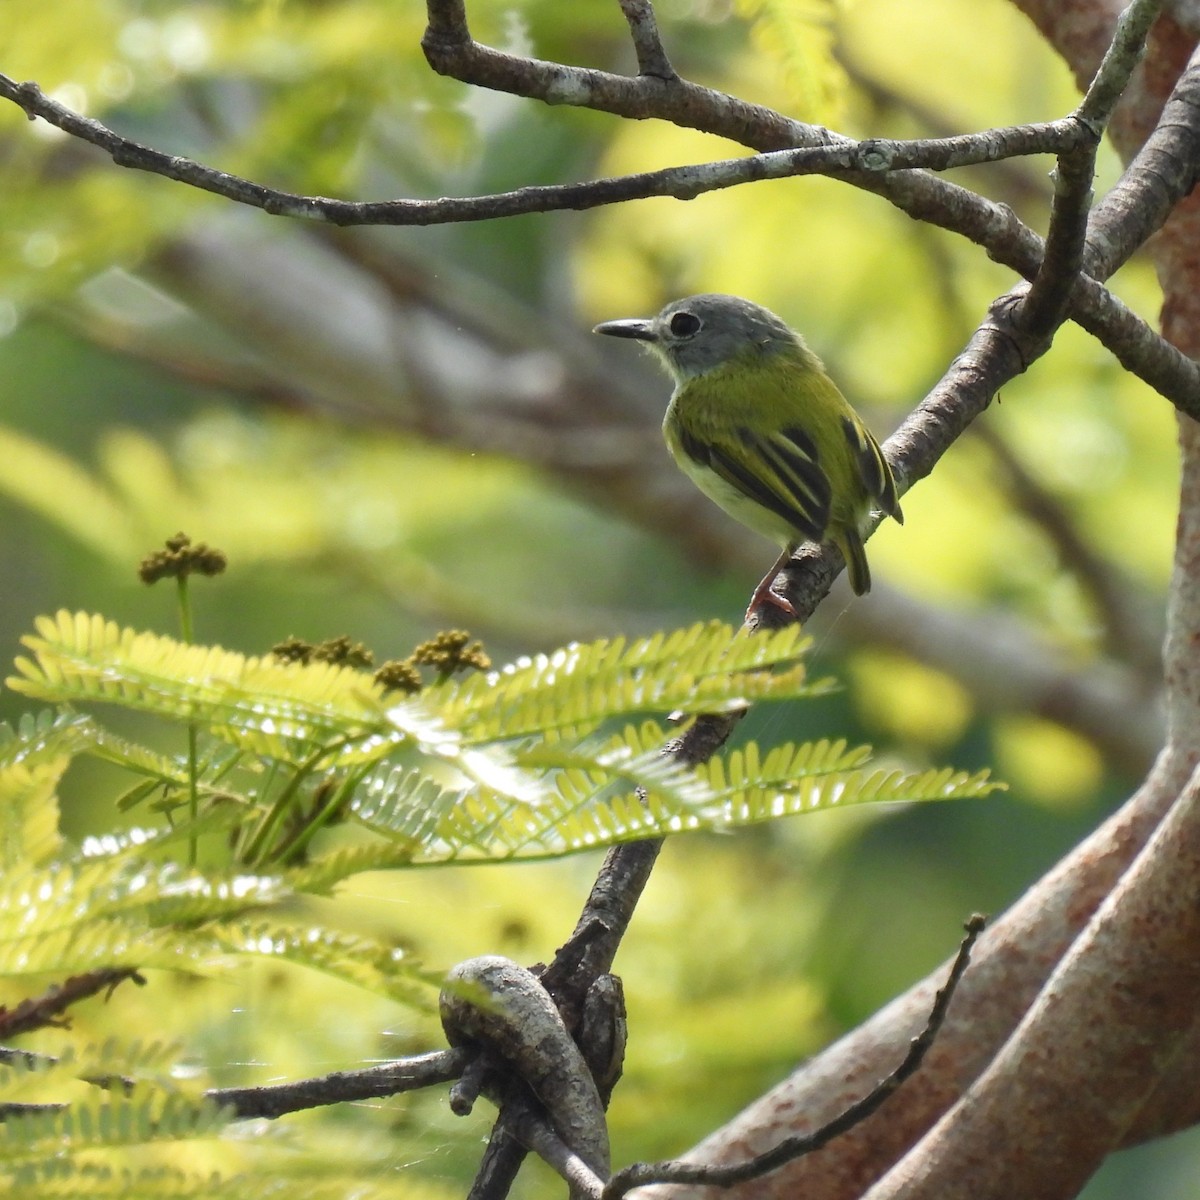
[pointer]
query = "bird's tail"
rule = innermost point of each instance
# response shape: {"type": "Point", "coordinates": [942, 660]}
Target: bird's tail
{"type": "Point", "coordinates": [851, 546]}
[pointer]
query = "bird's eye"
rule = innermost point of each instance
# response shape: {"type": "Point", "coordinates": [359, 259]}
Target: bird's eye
{"type": "Point", "coordinates": [684, 324]}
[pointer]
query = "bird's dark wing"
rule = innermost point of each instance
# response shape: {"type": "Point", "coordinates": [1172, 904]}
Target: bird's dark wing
{"type": "Point", "coordinates": [872, 467]}
{"type": "Point", "coordinates": [778, 470]}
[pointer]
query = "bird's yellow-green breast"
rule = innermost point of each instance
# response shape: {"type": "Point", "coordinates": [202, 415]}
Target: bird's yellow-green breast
{"type": "Point", "coordinates": [771, 439]}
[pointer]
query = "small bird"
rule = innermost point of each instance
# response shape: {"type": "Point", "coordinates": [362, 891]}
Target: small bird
{"type": "Point", "coordinates": [756, 423]}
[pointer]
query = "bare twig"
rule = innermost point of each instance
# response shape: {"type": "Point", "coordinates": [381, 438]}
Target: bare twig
{"type": "Point", "coordinates": [537, 1134]}
{"type": "Point", "coordinates": [870, 157]}
{"type": "Point", "coordinates": [643, 28]}
{"type": "Point", "coordinates": [448, 22]}
{"type": "Point", "coordinates": [340, 1087]}
{"type": "Point", "coordinates": [504, 1153]}
{"type": "Point", "coordinates": [791, 1148]}
{"type": "Point", "coordinates": [1048, 301]}
{"type": "Point", "coordinates": [584, 957]}
{"type": "Point", "coordinates": [1020, 178]}
{"type": "Point", "coordinates": [523, 1126]}
{"type": "Point", "coordinates": [1009, 967]}
{"type": "Point", "coordinates": [549, 1101]}
{"type": "Point", "coordinates": [1075, 1073]}
{"type": "Point", "coordinates": [277, 1100]}
{"type": "Point", "coordinates": [882, 167]}
{"type": "Point", "coordinates": [1160, 174]}
{"type": "Point", "coordinates": [922, 196]}
{"type": "Point", "coordinates": [591, 948]}
{"type": "Point", "coordinates": [48, 1008]}
{"type": "Point", "coordinates": [1116, 68]}
{"type": "Point", "coordinates": [469, 1086]}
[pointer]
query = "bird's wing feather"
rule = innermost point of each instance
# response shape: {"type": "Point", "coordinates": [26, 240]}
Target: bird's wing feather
{"type": "Point", "coordinates": [872, 467]}
{"type": "Point", "coordinates": [778, 470]}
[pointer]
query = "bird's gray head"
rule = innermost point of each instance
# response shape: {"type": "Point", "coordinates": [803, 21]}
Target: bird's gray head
{"type": "Point", "coordinates": [698, 333]}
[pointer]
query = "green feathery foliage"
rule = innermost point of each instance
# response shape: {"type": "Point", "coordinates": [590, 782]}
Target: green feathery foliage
{"type": "Point", "coordinates": [799, 36]}
{"type": "Point", "coordinates": [539, 758]}
{"type": "Point", "coordinates": [585, 810]}
{"type": "Point", "coordinates": [29, 1078]}
{"type": "Point", "coordinates": [67, 1179]}
{"type": "Point", "coordinates": [548, 756]}
{"type": "Point", "coordinates": [121, 1117]}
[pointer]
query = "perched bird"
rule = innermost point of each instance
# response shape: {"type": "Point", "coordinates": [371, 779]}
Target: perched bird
{"type": "Point", "coordinates": [761, 429]}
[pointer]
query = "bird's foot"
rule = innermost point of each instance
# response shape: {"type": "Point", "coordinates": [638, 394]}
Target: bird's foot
{"type": "Point", "coordinates": [765, 595]}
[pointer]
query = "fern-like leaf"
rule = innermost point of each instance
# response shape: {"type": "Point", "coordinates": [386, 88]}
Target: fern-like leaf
{"type": "Point", "coordinates": [299, 1177]}
{"type": "Point", "coordinates": [596, 799]}
{"type": "Point", "coordinates": [283, 710]}
{"type": "Point", "coordinates": [517, 763]}
{"type": "Point", "coordinates": [27, 1078]}
{"type": "Point", "coordinates": [71, 917]}
{"type": "Point", "coordinates": [119, 1118]}
{"type": "Point", "coordinates": [799, 35]}
{"type": "Point", "coordinates": [313, 716]}
{"type": "Point", "coordinates": [29, 812]}
{"type": "Point", "coordinates": [706, 668]}
{"type": "Point", "coordinates": [63, 1178]}
{"type": "Point", "coordinates": [49, 734]}
{"type": "Point", "coordinates": [371, 965]}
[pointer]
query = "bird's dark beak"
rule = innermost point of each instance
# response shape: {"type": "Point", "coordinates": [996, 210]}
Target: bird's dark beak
{"type": "Point", "coordinates": [633, 327]}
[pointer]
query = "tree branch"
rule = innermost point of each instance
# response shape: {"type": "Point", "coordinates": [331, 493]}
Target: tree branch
{"type": "Point", "coordinates": [791, 1148]}
{"type": "Point", "coordinates": [1062, 262]}
{"type": "Point", "coordinates": [341, 1087]}
{"type": "Point", "coordinates": [870, 157]}
{"type": "Point", "coordinates": [493, 1004]}
{"type": "Point", "coordinates": [1075, 1073]}
{"type": "Point", "coordinates": [1009, 967]}
{"type": "Point", "coordinates": [49, 1008]}
{"type": "Point", "coordinates": [881, 167]}
{"type": "Point", "coordinates": [643, 28]}
{"type": "Point", "coordinates": [1159, 175]}
{"type": "Point", "coordinates": [921, 196]}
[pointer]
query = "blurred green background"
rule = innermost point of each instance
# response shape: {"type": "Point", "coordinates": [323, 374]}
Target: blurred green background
{"type": "Point", "coordinates": [391, 431]}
